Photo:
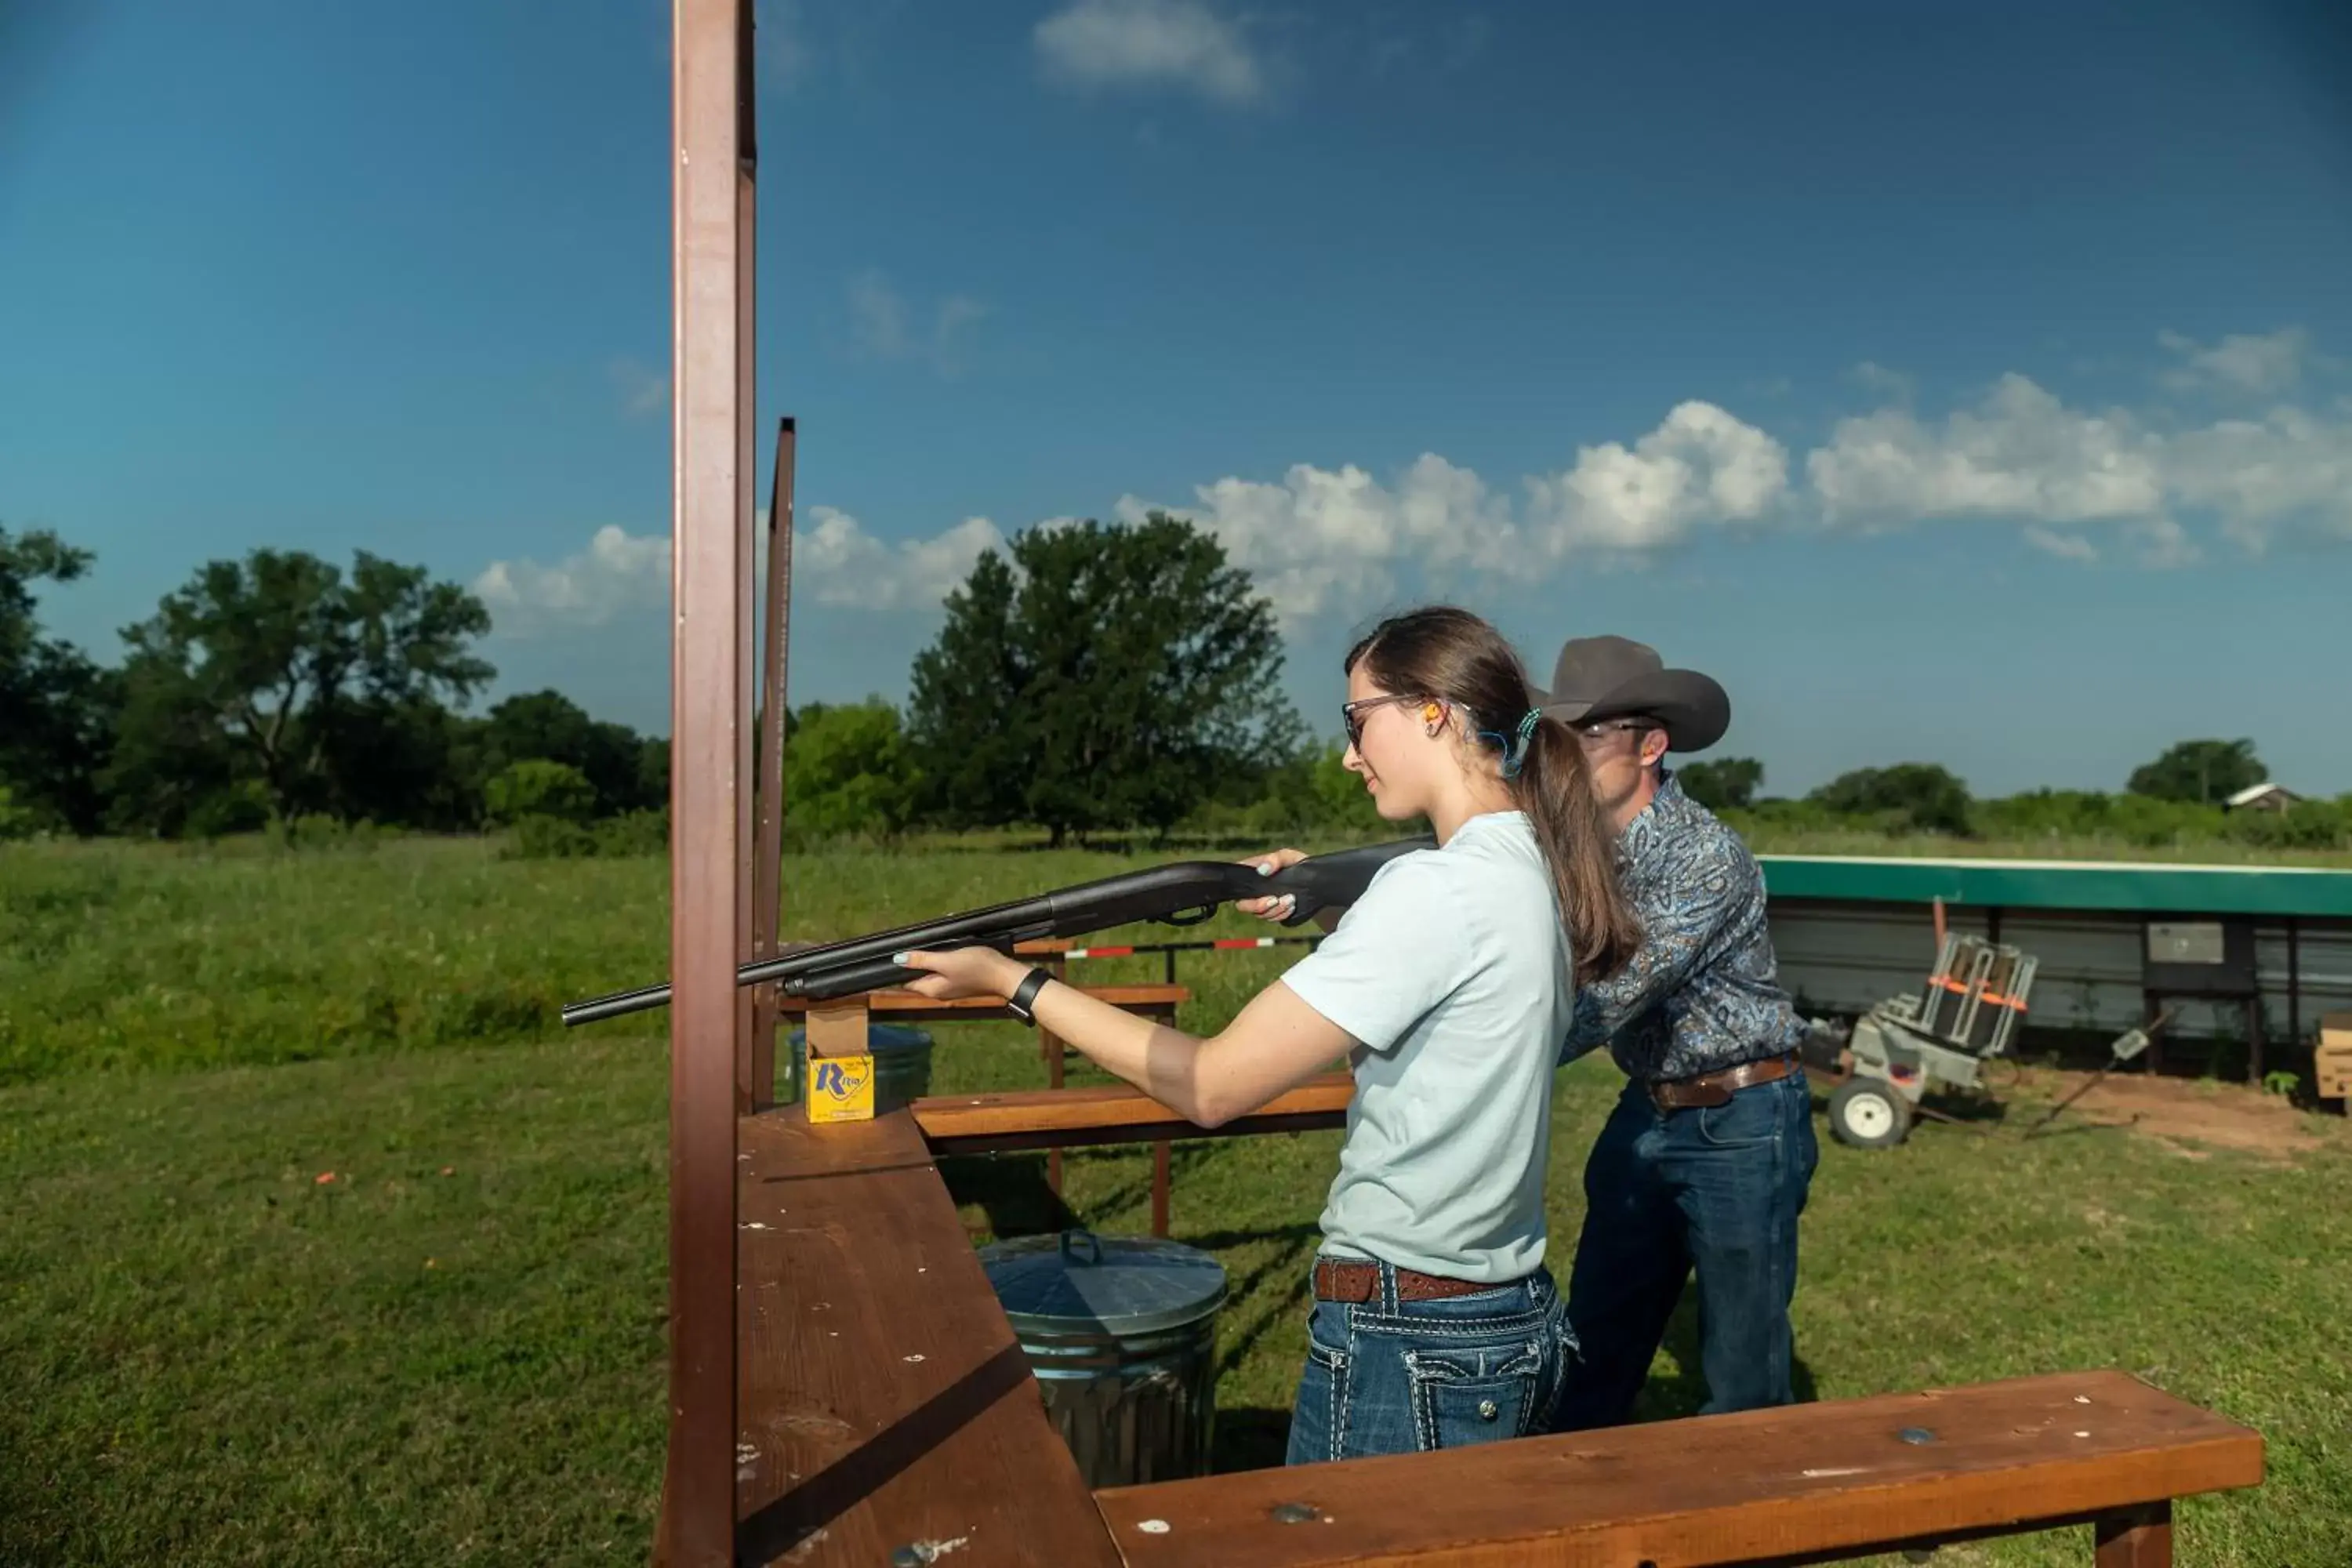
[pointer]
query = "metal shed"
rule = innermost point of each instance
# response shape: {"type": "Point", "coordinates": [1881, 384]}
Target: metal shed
{"type": "Point", "coordinates": [2248, 956]}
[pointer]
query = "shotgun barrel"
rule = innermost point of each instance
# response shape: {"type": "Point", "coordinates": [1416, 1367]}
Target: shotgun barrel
{"type": "Point", "coordinates": [1184, 892]}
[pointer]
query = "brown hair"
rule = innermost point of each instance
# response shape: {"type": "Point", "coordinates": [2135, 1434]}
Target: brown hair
{"type": "Point", "coordinates": [1456, 656]}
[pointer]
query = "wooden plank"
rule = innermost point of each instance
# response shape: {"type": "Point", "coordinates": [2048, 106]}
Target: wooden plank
{"type": "Point", "coordinates": [1151, 1001]}
{"type": "Point", "coordinates": [1109, 1113]}
{"type": "Point", "coordinates": [1758, 1485]}
{"type": "Point", "coordinates": [885, 1405]}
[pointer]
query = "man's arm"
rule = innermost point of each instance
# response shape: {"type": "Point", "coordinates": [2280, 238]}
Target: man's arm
{"type": "Point", "coordinates": [1675, 944]}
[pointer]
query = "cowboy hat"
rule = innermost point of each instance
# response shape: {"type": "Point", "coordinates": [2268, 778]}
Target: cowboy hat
{"type": "Point", "coordinates": [1612, 677]}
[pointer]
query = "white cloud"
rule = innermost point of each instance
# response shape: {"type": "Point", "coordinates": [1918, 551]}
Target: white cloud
{"type": "Point", "coordinates": [619, 573]}
{"type": "Point", "coordinates": [1149, 43]}
{"type": "Point", "coordinates": [2261, 476]}
{"type": "Point", "coordinates": [2023, 455]}
{"type": "Point", "coordinates": [2079, 485]}
{"type": "Point", "coordinates": [842, 563]}
{"type": "Point", "coordinates": [1321, 533]}
{"type": "Point", "coordinates": [834, 561]}
{"type": "Point", "coordinates": [644, 389]}
{"type": "Point", "coordinates": [2020, 455]}
{"type": "Point", "coordinates": [1701, 467]}
{"type": "Point", "coordinates": [2244, 361]}
{"type": "Point", "coordinates": [882, 325]}
{"type": "Point", "coordinates": [2066, 546]}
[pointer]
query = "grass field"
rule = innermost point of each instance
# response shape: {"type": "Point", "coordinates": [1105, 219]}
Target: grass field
{"type": "Point", "coordinates": [452, 1351]}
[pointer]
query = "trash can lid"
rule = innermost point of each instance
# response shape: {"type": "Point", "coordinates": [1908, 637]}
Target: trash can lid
{"type": "Point", "coordinates": [1127, 1285]}
{"type": "Point", "coordinates": [880, 1038]}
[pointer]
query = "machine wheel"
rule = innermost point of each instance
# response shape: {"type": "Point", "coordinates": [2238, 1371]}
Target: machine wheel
{"type": "Point", "coordinates": [1867, 1113]}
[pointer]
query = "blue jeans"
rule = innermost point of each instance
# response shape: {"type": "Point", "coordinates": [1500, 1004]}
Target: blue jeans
{"type": "Point", "coordinates": [1385, 1376]}
{"type": "Point", "coordinates": [1715, 1188]}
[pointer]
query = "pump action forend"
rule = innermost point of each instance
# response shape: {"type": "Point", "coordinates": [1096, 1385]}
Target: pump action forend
{"type": "Point", "coordinates": [1179, 894]}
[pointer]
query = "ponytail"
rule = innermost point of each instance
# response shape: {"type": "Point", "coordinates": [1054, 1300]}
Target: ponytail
{"type": "Point", "coordinates": [1553, 784]}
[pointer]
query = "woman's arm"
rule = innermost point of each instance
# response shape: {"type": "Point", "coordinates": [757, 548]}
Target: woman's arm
{"type": "Point", "coordinates": [1277, 1043]}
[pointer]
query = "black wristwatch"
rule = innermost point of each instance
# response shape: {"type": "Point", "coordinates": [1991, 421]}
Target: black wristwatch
{"type": "Point", "coordinates": [1027, 992]}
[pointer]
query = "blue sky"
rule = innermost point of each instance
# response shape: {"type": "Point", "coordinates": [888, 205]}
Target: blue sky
{"type": "Point", "coordinates": [1958, 384]}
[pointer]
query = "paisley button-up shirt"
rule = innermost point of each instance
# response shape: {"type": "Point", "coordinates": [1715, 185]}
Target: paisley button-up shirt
{"type": "Point", "coordinates": [1702, 993]}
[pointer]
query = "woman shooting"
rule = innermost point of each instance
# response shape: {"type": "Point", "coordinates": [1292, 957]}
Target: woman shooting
{"type": "Point", "coordinates": [1448, 988]}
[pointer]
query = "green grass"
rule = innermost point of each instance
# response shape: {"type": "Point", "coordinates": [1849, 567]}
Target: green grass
{"type": "Point", "coordinates": [118, 957]}
{"type": "Point", "coordinates": [213, 1358]}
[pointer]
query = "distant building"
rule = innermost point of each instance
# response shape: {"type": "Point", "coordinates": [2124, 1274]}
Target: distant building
{"type": "Point", "coordinates": [2262, 797]}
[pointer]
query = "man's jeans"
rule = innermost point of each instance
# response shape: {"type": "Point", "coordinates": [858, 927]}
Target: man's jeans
{"type": "Point", "coordinates": [1385, 1376]}
{"type": "Point", "coordinates": [1718, 1187]}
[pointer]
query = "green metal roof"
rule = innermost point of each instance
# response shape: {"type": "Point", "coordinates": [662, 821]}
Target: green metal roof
{"type": "Point", "coordinates": [2151, 887]}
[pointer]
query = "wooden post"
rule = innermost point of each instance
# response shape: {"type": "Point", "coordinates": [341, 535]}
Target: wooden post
{"type": "Point", "coordinates": [711, 549]}
{"type": "Point", "coordinates": [2138, 1538]}
{"type": "Point", "coordinates": [767, 868]}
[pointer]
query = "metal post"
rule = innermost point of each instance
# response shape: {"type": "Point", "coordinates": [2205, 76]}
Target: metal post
{"type": "Point", "coordinates": [767, 869]}
{"type": "Point", "coordinates": [1161, 1183]}
{"type": "Point", "coordinates": [2293, 984]}
{"type": "Point", "coordinates": [710, 546]}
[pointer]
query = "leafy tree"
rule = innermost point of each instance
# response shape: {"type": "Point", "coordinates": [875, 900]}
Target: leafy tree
{"type": "Point", "coordinates": [965, 719]}
{"type": "Point", "coordinates": [57, 707]}
{"type": "Point", "coordinates": [847, 770]}
{"type": "Point", "coordinates": [299, 672]}
{"type": "Point", "coordinates": [2206, 771]}
{"type": "Point", "coordinates": [550, 725]}
{"type": "Point", "coordinates": [1126, 673]}
{"type": "Point", "coordinates": [1723, 784]}
{"type": "Point", "coordinates": [538, 787]}
{"type": "Point", "coordinates": [1921, 796]}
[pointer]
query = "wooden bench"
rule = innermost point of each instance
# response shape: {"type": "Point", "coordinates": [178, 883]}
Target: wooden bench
{"type": "Point", "coordinates": [1109, 1113]}
{"type": "Point", "coordinates": [1806, 1483]}
{"type": "Point", "coordinates": [884, 1411]}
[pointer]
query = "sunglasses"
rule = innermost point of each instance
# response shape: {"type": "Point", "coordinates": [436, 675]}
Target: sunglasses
{"type": "Point", "coordinates": [1593, 734]}
{"type": "Point", "coordinates": [1352, 715]}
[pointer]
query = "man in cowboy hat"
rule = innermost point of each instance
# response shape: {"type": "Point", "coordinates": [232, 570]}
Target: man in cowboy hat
{"type": "Point", "coordinates": [1705, 1163]}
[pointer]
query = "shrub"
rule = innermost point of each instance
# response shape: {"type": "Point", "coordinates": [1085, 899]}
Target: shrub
{"type": "Point", "coordinates": [537, 787]}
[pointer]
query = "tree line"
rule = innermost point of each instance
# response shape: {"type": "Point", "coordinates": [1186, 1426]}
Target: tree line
{"type": "Point", "coordinates": [1089, 679]}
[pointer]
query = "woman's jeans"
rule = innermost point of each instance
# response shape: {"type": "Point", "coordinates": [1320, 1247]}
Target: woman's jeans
{"type": "Point", "coordinates": [1385, 1376]}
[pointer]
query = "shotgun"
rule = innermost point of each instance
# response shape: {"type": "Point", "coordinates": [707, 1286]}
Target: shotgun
{"type": "Point", "coordinates": [1182, 893]}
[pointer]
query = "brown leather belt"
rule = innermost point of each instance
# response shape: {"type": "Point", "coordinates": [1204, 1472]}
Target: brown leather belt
{"type": "Point", "coordinates": [1715, 1088]}
{"type": "Point", "coordinates": [1337, 1280]}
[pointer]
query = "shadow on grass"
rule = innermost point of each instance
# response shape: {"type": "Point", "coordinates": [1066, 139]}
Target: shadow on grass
{"type": "Point", "coordinates": [1011, 1190]}
{"type": "Point", "coordinates": [1250, 1438]}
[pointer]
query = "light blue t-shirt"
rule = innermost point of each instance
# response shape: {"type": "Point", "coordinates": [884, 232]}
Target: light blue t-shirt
{"type": "Point", "coordinates": [1452, 972]}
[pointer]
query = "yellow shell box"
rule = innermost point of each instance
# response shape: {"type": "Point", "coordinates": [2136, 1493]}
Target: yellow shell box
{"type": "Point", "coordinates": [840, 1075]}
{"type": "Point", "coordinates": [840, 1088]}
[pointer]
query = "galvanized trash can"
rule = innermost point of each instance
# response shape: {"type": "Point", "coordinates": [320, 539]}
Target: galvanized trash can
{"type": "Point", "coordinates": [1121, 1333]}
{"type": "Point", "coordinates": [902, 1064]}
